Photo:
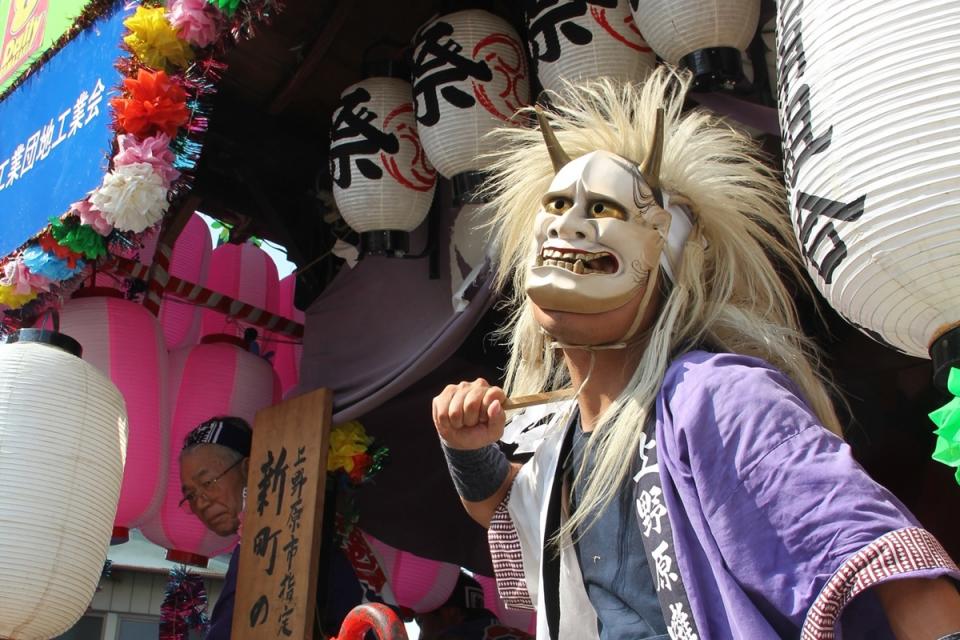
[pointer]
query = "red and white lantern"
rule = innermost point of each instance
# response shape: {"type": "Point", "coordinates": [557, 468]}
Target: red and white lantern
{"type": "Point", "coordinates": [382, 180]}
{"type": "Point", "coordinates": [469, 77]}
{"type": "Point", "coordinates": [870, 113]}
{"type": "Point", "coordinates": [206, 380]}
{"type": "Point", "coordinates": [577, 41]}
{"type": "Point", "coordinates": [123, 340]}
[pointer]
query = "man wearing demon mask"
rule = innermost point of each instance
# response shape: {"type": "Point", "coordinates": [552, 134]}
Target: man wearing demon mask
{"type": "Point", "coordinates": [694, 484]}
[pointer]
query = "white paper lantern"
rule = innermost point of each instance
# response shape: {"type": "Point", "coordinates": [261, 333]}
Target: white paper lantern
{"type": "Point", "coordinates": [469, 77]}
{"type": "Point", "coordinates": [63, 430]}
{"type": "Point", "coordinates": [382, 180]}
{"type": "Point", "coordinates": [704, 35]}
{"type": "Point", "coordinates": [870, 113]}
{"type": "Point", "coordinates": [577, 41]}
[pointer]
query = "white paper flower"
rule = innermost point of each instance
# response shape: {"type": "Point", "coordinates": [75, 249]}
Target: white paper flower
{"type": "Point", "coordinates": [132, 197]}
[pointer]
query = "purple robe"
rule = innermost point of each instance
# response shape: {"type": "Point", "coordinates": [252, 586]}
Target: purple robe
{"type": "Point", "coordinates": [776, 527]}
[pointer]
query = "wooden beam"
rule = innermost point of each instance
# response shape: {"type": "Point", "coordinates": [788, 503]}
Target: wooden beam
{"type": "Point", "coordinates": [338, 17]}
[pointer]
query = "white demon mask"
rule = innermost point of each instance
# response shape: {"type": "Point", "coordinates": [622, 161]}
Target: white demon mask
{"type": "Point", "coordinates": [601, 231]}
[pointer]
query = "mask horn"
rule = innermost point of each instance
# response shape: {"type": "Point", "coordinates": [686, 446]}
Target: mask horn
{"type": "Point", "coordinates": [650, 169]}
{"type": "Point", "coordinates": [558, 156]}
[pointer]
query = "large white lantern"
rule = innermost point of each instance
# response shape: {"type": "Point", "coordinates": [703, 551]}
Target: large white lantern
{"type": "Point", "coordinates": [469, 77]}
{"type": "Point", "coordinates": [705, 36]}
{"type": "Point", "coordinates": [63, 438]}
{"type": "Point", "coordinates": [870, 112]}
{"type": "Point", "coordinates": [382, 181]}
{"type": "Point", "coordinates": [577, 41]}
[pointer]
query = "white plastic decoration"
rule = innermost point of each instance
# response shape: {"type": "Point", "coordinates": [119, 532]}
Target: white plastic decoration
{"type": "Point", "coordinates": [870, 112]}
{"type": "Point", "coordinates": [677, 28]}
{"type": "Point", "coordinates": [469, 77]}
{"type": "Point", "coordinates": [63, 429]}
{"type": "Point", "coordinates": [575, 41]}
{"type": "Point", "coordinates": [382, 180]}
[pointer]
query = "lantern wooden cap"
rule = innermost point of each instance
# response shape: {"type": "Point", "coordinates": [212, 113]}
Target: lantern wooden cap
{"type": "Point", "coordinates": [52, 338]}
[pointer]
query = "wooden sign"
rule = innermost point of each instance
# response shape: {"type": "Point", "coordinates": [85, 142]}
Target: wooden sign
{"type": "Point", "coordinates": [280, 546]}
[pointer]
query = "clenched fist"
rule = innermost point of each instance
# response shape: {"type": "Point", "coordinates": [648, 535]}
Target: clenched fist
{"type": "Point", "coordinates": [469, 415]}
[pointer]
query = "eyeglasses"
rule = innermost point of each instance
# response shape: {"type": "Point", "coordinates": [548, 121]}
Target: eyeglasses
{"type": "Point", "coordinates": [190, 500]}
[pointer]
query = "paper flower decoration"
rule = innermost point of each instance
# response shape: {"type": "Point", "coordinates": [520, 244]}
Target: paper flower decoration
{"type": "Point", "coordinates": [947, 419]}
{"type": "Point", "coordinates": [79, 238]}
{"type": "Point", "coordinates": [50, 245]}
{"type": "Point", "coordinates": [154, 150]}
{"type": "Point", "coordinates": [346, 441]}
{"type": "Point", "coordinates": [132, 197]}
{"type": "Point", "coordinates": [195, 20]}
{"type": "Point", "coordinates": [41, 263]}
{"type": "Point", "coordinates": [14, 300]}
{"type": "Point", "coordinates": [227, 6]}
{"type": "Point", "coordinates": [154, 41]}
{"type": "Point", "coordinates": [153, 103]}
{"type": "Point", "coordinates": [22, 280]}
{"type": "Point", "coordinates": [91, 217]}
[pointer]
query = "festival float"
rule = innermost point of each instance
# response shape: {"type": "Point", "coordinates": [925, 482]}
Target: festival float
{"type": "Point", "coordinates": [352, 138]}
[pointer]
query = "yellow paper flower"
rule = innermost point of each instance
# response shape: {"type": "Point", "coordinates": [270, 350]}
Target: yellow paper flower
{"type": "Point", "coordinates": [154, 40]}
{"type": "Point", "coordinates": [346, 440]}
{"type": "Point", "coordinates": [14, 300]}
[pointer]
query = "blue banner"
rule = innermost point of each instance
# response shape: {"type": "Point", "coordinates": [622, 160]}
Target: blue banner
{"type": "Point", "coordinates": [55, 136]}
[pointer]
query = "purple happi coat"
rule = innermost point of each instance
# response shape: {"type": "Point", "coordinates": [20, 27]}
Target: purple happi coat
{"type": "Point", "coordinates": [777, 530]}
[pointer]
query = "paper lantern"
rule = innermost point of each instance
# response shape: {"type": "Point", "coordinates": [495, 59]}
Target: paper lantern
{"type": "Point", "coordinates": [416, 583]}
{"type": "Point", "coordinates": [244, 272]}
{"type": "Point", "coordinates": [287, 350]}
{"type": "Point", "coordinates": [469, 77]}
{"type": "Point", "coordinates": [706, 36]}
{"type": "Point", "coordinates": [382, 181]}
{"type": "Point", "coordinates": [189, 260]}
{"type": "Point", "coordinates": [870, 112]}
{"type": "Point", "coordinates": [206, 380]}
{"type": "Point", "coordinates": [577, 41]}
{"type": "Point", "coordinates": [64, 434]}
{"type": "Point", "coordinates": [124, 342]}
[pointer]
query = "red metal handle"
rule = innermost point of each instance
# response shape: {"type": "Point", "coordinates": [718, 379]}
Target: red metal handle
{"type": "Point", "coordinates": [375, 617]}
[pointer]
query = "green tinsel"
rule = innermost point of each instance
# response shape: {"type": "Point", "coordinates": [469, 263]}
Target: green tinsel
{"type": "Point", "coordinates": [947, 419]}
{"type": "Point", "coordinates": [226, 6]}
{"type": "Point", "coordinates": [78, 238]}
{"type": "Point", "coordinates": [377, 460]}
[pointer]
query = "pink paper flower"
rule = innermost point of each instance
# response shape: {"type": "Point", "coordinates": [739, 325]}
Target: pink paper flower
{"type": "Point", "coordinates": [196, 21]}
{"type": "Point", "coordinates": [90, 216]}
{"type": "Point", "coordinates": [20, 280]}
{"type": "Point", "coordinates": [153, 150]}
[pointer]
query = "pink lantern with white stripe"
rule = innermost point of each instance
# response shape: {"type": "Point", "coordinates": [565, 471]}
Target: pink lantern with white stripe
{"type": "Point", "coordinates": [244, 272]}
{"type": "Point", "coordinates": [286, 352]}
{"type": "Point", "coordinates": [214, 378]}
{"type": "Point", "coordinates": [123, 340]}
{"type": "Point", "coordinates": [190, 260]}
{"type": "Point", "coordinates": [416, 583]}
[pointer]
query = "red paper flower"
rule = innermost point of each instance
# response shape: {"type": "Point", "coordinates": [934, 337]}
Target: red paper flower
{"type": "Point", "coordinates": [361, 462]}
{"type": "Point", "coordinates": [49, 244]}
{"type": "Point", "coordinates": [154, 103]}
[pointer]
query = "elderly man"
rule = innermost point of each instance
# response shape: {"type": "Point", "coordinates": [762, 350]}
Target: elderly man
{"type": "Point", "coordinates": [213, 477]}
{"type": "Point", "coordinates": [694, 485]}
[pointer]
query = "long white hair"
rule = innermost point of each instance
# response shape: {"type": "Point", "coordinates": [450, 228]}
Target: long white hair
{"type": "Point", "coordinates": [728, 294]}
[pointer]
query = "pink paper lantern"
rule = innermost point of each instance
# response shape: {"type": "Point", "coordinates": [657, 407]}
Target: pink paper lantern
{"type": "Point", "coordinates": [123, 340]}
{"type": "Point", "coordinates": [206, 380]}
{"type": "Point", "coordinates": [244, 272]}
{"type": "Point", "coordinates": [190, 261]}
{"type": "Point", "coordinates": [416, 583]}
{"type": "Point", "coordinates": [287, 350]}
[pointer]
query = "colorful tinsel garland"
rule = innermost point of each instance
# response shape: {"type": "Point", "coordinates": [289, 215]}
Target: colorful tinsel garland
{"type": "Point", "coordinates": [947, 419]}
{"type": "Point", "coordinates": [170, 78]}
{"type": "Point", "coordinates": [184, 607]}
{"type": "Point", "coordinates": [353, 455]}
